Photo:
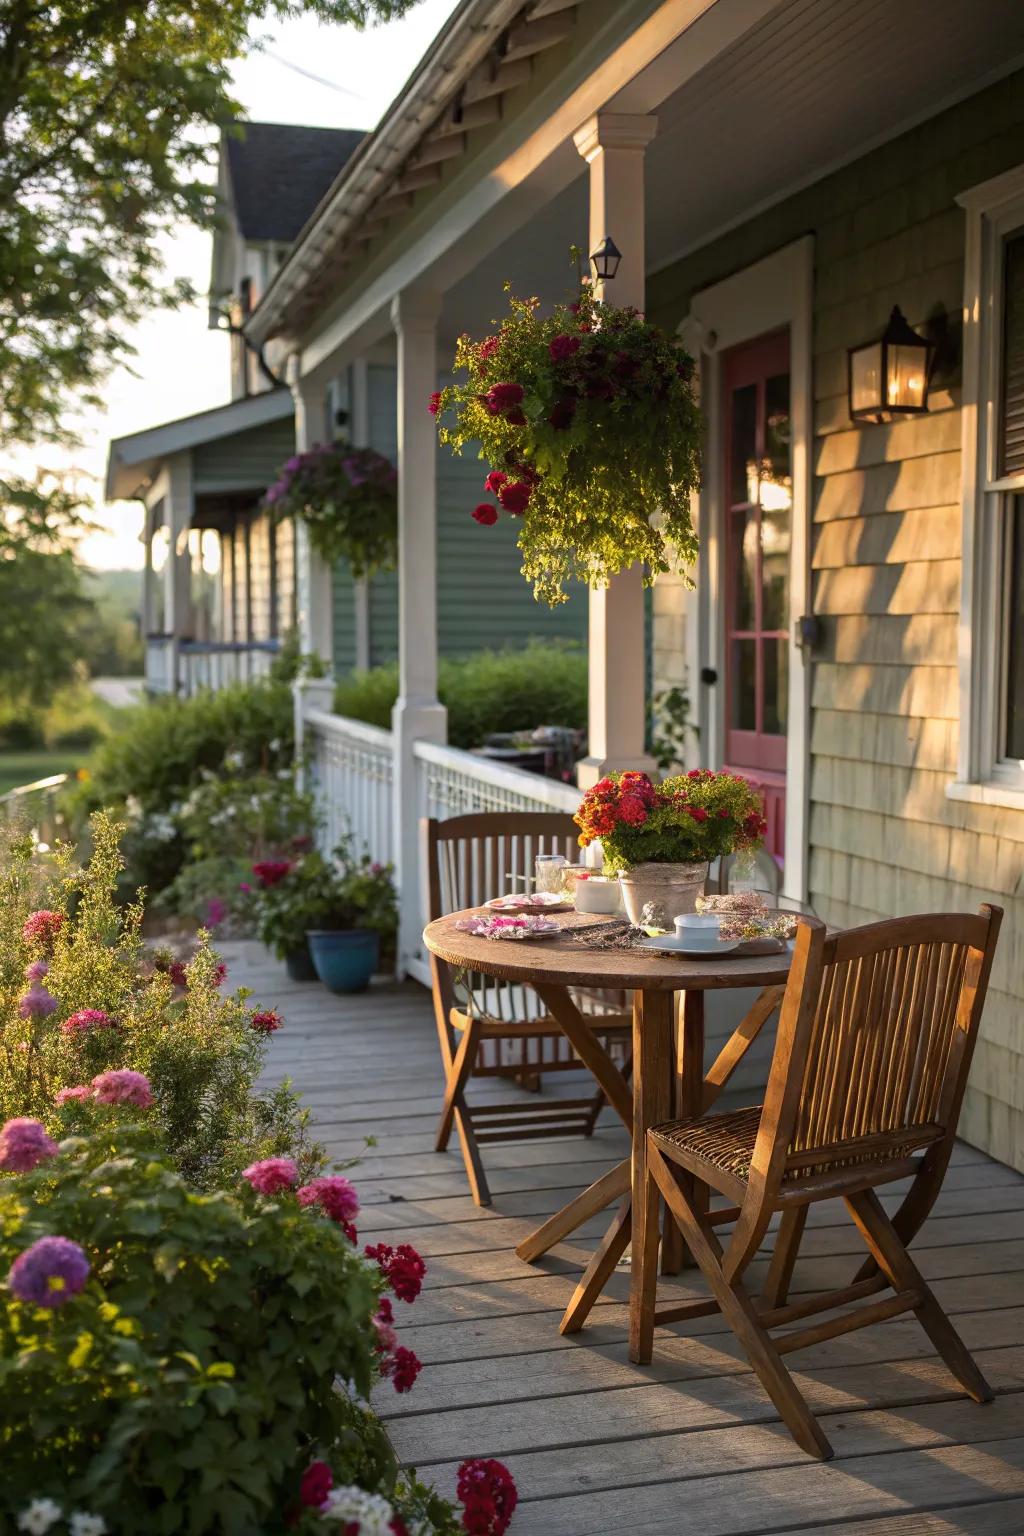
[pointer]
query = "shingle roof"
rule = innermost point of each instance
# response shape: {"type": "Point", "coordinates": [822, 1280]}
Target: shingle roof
{"type": "Point", "coordinates": [279, 172]}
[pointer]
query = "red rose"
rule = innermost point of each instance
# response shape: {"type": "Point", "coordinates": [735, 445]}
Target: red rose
{"type": "Point", "coordinates": [485, 514]}
{"type": "Point", "coordinates": [435, 402]}
{"type": "Point", "coordinates": [501, 396]}
{"type": "Point", "coordinates": [494, 482]}
{"type": "Point", "coordinates": [563, 347]}
{"type": "Point", "coordinates": [515, 496]}
{"type": "Point", "coordinates": [317, 1482]}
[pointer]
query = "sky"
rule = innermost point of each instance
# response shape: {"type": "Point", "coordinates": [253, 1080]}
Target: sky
{"type": "Point", "coordinates": [181, 366]}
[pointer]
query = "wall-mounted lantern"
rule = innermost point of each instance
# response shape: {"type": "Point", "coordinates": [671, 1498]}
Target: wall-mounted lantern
{"type": "Point", "coordinates": [605, 260]}
{"type": "Point", "coordinates": [889, 377]}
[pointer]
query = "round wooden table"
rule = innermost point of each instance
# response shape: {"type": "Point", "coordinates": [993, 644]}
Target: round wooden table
{"type": "Point", "coordinates": [667, 1068]}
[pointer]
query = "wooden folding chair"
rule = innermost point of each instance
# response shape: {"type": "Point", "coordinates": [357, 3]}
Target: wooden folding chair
{"type": "Point", "coordinates": [491, 1028]}
{"type": "Point", "coordinates": [875, 1039]}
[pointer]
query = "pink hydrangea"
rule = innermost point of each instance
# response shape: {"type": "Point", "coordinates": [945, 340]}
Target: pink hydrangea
{"type": "Point", "coordinates": [36, 1003]}
{"type": "Point", "coordinates": [49, 1273]}
{"type": "Point", "coordinates": [87, 1019]}
{"type": "Point", "coordinates": [122, 1087]}
{"type": "Point", "coordinates": [336, 1197]}
{"type": "Point", "coordinates": [272, 1175]}
{"type": "Point", "coordinates": [70, 1095]}
{"type": "Point", "coordinates": [23, 1144]}
{"type": "Point", "coordinates": [42, 927]}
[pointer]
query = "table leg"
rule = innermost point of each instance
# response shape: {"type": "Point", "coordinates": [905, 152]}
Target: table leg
{"type": "Point", "coordinates": [598, 1271]}
{"type": "Point", "coordinates": [689, 1097]}
{"type": "Point", "coordinates": [652, 1102]}
{"type": "Point", "coordinates": [611, 1186]}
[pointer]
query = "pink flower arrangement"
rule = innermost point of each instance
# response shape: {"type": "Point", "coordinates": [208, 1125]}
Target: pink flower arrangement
{"type": "Point", "coordinates": [49, 1273]}
{"type": "Point", "coordinates": [401, 1267]}
{"type": "Point", "coordinates": [272, 1175]}
{"type": "Point", "coordinates": [85, 1020]}
{"type": "Point", "coordinates": [42, 927]}
{"type": "Point", "coordinates": [24, 1144]}
{"type": "Point", "coordinates": [122, 1086]}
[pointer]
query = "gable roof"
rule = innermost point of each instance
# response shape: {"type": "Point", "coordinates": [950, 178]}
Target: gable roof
{"type": "Point", "coordinates": [278, 173]}
{"type": "Point", "coordinates": [133, 460]}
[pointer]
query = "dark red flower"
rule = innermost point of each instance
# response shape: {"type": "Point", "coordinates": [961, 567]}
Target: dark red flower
{"type": "Point", "coordinates": [694, 773]}
{"type": "Point", "coordinates": [265, 1021]}
{"type": "Point", "coordinates": [270, 872]}
{"type": "Point", "coordinates": [435, 403]}
{"type": "Point", "coordinates": [502, 396]}
{"type": "Point", "coordinates": [403, 1367]}
{"type": "Point", "coordinates": [515, 496]}
{"type": "Point", "coordinates": [317, 1482]}
{"type": "Point", "coordinates": [561, 415]}
{"type": "Point", "coordinates": [485, 514]}
{"type": "Point", "coordinates": [563, 347]}
{"type": "Point", "coordinates": [697, 812]}
{"type": "Point", "coordinates": [632, 811]}
{"type": "Point", "coordinates": [401, 1267]}
{"type": "Point", "coordinates": [487, 1492]}
{"type": "Point", "coordinates": [398, 1527]}
{"type": "Point", "coordinates": [515, 418]}
{"type": "Point", "coordinates": [220, 975]}
{"type": "Point", "coordinates": [494, 482]}
{"type": "Point", "coordinates": [178, 973]}
{"type": "Point", "coordinates": [488, 347]}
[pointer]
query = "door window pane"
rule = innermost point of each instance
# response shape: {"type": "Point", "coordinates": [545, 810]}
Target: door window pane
{"type": "Point", "coordinates": [744, 445]}
{"type": "Point", "coordinates": [775, 570]}
{"type": "Point", "coordinates": [775, 660]}
{"type": "Point", "coordinates": [777, 429]}
{"type": "Point", "coordinates": [744, 685]}
{"type": "Point", "coordinates": [1015, 636]}
{"type": "Point", "coordinates": [744, 558]}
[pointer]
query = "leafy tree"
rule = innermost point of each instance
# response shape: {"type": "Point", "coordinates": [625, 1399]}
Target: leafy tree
{"type": "Point", "coordinates": [42, 605]}
{"type": "Point", "coordinates": [106, 112]}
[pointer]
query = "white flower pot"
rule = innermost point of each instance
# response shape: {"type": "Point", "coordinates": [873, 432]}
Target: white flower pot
{"type": "Point", "coordinates": [656, 894]}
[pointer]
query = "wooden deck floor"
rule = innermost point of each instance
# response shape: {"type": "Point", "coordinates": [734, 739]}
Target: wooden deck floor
{"type": "Point", "coordinates": [691, 1443]}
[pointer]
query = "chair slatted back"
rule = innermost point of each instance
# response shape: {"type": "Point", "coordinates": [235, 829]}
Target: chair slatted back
{"type": "Point", "coordinates": [475, 857]}
{"type": "Point", "coordinates": [875, 1043]}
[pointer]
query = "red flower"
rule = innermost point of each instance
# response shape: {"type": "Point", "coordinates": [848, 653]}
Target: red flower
{"type": "Point", "coordinates": [515, 418]}
{"type": "Point", "coordinates": [435, 403]}
{"type": "Point", "coordinates": [403, 1367]}
{"type": "Point", "coordinates": [694, 773]}
{"type": "Point", "coordinates": [317, 1482]}
{"type": "Point", "coordinates": [724, 815]}
{"type": "Point", "coordinates": [697, 812]}
{"type": "Point", "coordinates": [515, 496]}
{"type": "Point", "coordinates": [488, 1496]}
{"type": "Point", "coordinates": [494, 482]}
{"type": "Point", "coordinates": [488, 347]}
{"type": "Point", "coordinates": [178, 973]}
{"type": "Point", "coordinates": [270, 872]}
{"type": "Point", "coordinates": [561, 414]}
{"type": "Point", "coordinates": [401, 1267]}
{"type": "Point", "coordinates": [265, 1021]}
{"type": "Point", "coordinates": [42, 926]}
{"type": "Point", "coordinates": [632, 811]}
{"type": "Point", "coordinates": [485, 514]}
{"type": "Point", "coordinates": [501, 396]}
{"type": "Point", "coordinates": [563, 347]}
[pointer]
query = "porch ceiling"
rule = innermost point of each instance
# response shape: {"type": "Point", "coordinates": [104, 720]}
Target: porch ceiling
{"type": "Point", "coordinates": [812, 84]}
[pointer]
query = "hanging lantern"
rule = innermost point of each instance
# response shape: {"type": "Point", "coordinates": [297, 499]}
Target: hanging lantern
{"type": "Point", "coordinates": [605, 260]}
{"type": "Point", "coordinates": [889, 377]}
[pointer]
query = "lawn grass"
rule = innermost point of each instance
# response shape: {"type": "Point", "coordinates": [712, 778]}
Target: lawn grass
{"type": "Point", "coordinates": [18, 768]}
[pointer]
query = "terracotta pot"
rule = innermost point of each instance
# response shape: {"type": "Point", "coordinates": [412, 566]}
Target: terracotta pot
{"type": "Point", "coordinates": [666, 890]}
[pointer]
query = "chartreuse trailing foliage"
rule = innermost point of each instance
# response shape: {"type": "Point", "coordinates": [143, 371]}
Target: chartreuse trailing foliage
{"type": "Point", "coordinates": [588, 421]}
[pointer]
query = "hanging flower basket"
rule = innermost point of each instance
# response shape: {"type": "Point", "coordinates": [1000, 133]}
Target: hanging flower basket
{"type": "Point", "coordinates": [347, 498]}
{"type": "Point", "coordinates": [587, 419]}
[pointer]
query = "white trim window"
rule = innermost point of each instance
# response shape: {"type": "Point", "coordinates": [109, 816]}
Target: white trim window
{"type": "Point", "coordinates": [990, 767]}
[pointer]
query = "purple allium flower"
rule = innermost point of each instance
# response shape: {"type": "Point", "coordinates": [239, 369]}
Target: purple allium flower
{"type": "Point", "coordinates": [69, 1095]}
{"type": "Point", "coordinates": [122, 1087]}
{"type": "Point", "coordinates": [23, 1144]}
{"type": "Point", "coordinates": [86, 1019]}
{"type": "Point", "coordinates": [50, 1272]}
{"type": "Point", "coordinates": [36, 1003]}
{"type": "Point", "coordinates": [271, 1175]}
{"type": "Point", "coordinates": [37, 971]}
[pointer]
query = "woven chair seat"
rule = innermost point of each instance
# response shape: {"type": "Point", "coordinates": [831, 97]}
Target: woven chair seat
{"type": "Point", "coordinates": [727, 1142]}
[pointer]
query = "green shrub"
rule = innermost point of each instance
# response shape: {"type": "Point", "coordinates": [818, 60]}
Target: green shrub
{"type": "Point", "coordinates": [177, 1024]}
{"type": "Point", "coordinates": [488, 692]}
{"type": "Point", "coordinates": [162, 750]}
{"type": "Point", "coordinates": [217, 1345]}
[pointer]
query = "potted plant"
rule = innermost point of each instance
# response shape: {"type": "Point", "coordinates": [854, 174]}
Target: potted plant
{"type": "Point", "coordinates": [327, 919]}
{"type": "Point", "coordinates": [588, 421]}
{"type": "Point", "coordinates": [660, 838]}
{"type": "Point", "coordinates": [348, 499]}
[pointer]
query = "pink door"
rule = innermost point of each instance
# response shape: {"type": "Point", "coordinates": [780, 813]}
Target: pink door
{"type": "Point", "coordinates": [758, 511]}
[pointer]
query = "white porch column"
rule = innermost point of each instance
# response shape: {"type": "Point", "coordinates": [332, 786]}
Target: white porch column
{"type": "Point", "coordinates": [359, 432]}
{"type": "Point", "coordinates": [177, 573]}
{"type": "Point", "coordinates": [314, 584]}
{"type": "Point", "coordinates": [417, 715]}
{"type": "Point", "coordinates": [613, 144]}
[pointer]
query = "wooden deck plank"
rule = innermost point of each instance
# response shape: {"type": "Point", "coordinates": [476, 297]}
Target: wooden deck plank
{"type": "Point", "coordinates": [598, 1444]}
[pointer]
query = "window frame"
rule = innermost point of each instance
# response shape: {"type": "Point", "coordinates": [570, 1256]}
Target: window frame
{"type": "Point", "coordinates": [994, 211]}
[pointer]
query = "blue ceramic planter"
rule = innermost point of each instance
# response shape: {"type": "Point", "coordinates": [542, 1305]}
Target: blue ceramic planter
{"type": "Point", "coordinates": [345, 961]}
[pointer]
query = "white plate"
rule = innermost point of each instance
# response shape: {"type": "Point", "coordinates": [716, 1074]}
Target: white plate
{"type": "Point", "coordinates": [668, 944]}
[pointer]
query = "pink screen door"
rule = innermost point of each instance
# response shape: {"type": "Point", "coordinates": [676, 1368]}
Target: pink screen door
{"type": "Point", "coordinates": [758, 511]}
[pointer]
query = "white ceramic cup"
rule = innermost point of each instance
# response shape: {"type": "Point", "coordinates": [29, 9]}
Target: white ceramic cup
{"type": "Point", "coordinates": [597, 895]}
{"type": "Point", "coordinates": [699, 930]}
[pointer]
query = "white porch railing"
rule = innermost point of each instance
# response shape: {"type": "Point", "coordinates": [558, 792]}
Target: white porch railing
{"type": "Point", "coordinates": [35, 805]}
{"type": "Point", "coordinates": [219, 663]}
{"type": "Point", "coordinates": [161, 665]}
{"type": "Point", "coordinates": [350, 771]}
{"type": "Point", "coordinates": [454, 783]}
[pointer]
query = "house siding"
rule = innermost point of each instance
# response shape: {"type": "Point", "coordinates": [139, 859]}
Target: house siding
{"type": "Point", "coordinates": [884, 839]}
{"type": "Point", "coordinates": [246, 461]}
{"type": "Point", "coordinates": [482, 600]}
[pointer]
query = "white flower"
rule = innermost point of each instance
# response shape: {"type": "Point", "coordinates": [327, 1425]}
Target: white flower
{"type": "Point", "coordinates": [275, 745]}
{"type": "Point", "coordinates": [133, 807]}
{"type": "Point", "coordinates": [39, 1516]}
{"type": "Point", "coordinates": [369, 1511]}
{"type": "Point", "coordinates": [88, 1525]}
{"type": "Point", "coordinates": [234, 760]}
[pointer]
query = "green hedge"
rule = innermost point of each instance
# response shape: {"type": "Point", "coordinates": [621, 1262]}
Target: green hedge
{"type": "Point", "coordinates": [487, 692]}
